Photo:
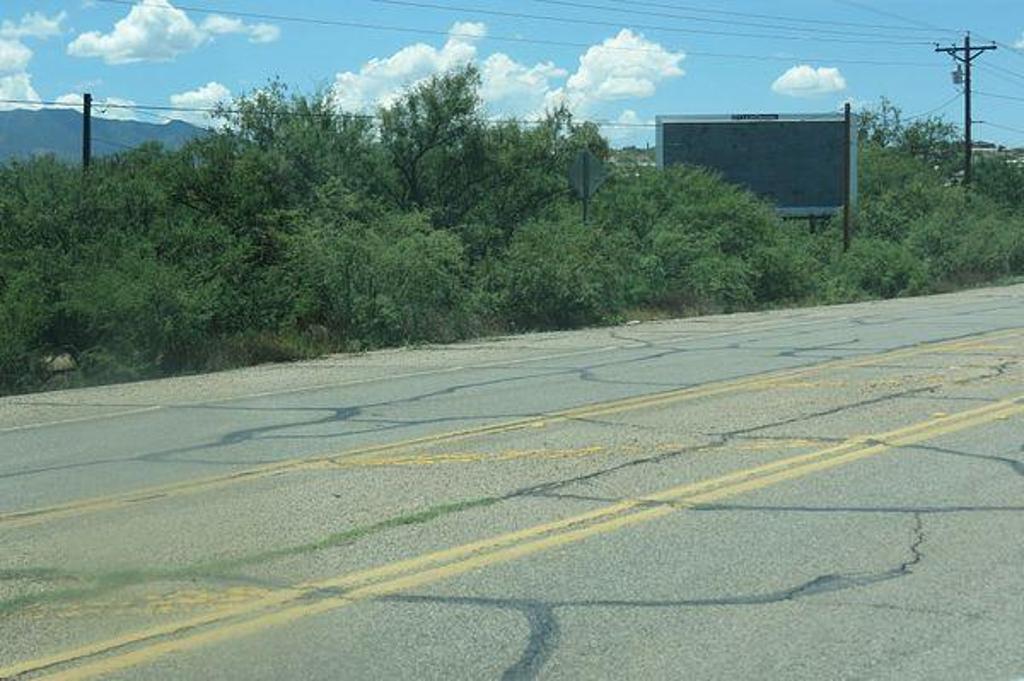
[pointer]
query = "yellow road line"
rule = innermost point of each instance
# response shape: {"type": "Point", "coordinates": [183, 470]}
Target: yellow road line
{"type": "Point", "coordinates": [288, 605]}
{"type": "Point", "coordinates": [362, 454]}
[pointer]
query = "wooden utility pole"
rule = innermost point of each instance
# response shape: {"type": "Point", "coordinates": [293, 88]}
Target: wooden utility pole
{"type": "Point", "coordinates": [847, 178]}
{"type": "Point", "coordinates": [86, 129]}
{"type": "Point", "coordinates": [966, 55]}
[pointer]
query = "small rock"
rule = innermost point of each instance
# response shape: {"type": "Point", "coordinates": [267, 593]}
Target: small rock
{"type": "Point", "coordinates": [632, 322]}
{"type": "Point", "coordinates": [58, 364]}
{"type": "Point", "coordinates": [319, 333]}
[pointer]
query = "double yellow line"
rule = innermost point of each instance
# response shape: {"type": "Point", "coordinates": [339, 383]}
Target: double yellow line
{"type": "Point", "coordinates": [759, 382]}
{"type": "Point", "coordinates": [310, 598]}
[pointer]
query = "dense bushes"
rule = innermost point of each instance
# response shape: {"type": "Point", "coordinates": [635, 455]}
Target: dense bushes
{"type": "Point", "coordinates": [295, 230]}
{"type": "Point", "coordinates": [556, 274]}
{"type": "Point", "coordinates": [379, 278]}
{"type": "Point", "coordinates": [701, 244]}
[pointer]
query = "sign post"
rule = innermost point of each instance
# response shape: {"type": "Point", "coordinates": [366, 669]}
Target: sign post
{"type": "Point", "coordinates": [847, 179]}
{"type": "Point", "coordinates": [586, 175]}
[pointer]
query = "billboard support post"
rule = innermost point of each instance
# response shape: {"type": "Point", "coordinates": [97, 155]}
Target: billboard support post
{"type": "Point", "coordinates": [847, 172]}
{"type": "Point", "coordinates": [86, 130]}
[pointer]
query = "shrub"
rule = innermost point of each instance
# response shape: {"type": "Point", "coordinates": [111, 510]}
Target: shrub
{"type": "Point", "coordinates": [556, 274]}
{"type": "Point", "coordinates": [875, 268]}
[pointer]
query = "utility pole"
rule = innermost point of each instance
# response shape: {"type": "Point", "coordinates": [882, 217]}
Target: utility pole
{"type": "Point", "coordinates": [966, 55]}
{"type": "Point", "coordinates": [847, 176]}
{"type": "Point", "coordinates": [86, 130]}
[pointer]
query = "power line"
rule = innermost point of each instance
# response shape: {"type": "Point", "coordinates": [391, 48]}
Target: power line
{"type": "Point", "coordinates": [805, 59]}
{"type": "Point", "coordinates": [473, 36]}
{"type": "Point", "coordinates": [373, 27]}
{"type": "Point", "coordinates": [533, 41]}
{"type": "Point", "coordinates": [941, 107]}
{"type": "Point", "coordinates": [997, 96]}
{"type": "Point", "coordinates": [1011, 49]}
{"type": "Point", "coordinates": [1005, 71]}
{"type": "Point", "coordinates": [1008, 49]}
{"type": "Point", "coordinates": [1002, 127]}
{"type": "Point", "coordinates": [419, 4]}
{"type": "Point", "coordinates": [601, 123]}
{"type": "Point", "coordinates": [892, 15]}
{"type": "Point", "coordinates": [801, 20]}
{"type": "Point", "coordinates": [143, 108]}
{"type": "Point", "coordinates": [732, 21]}
{"type": "Point", "coordinates": [1015, 82]}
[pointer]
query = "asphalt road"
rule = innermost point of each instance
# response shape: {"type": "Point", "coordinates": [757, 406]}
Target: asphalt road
{"type": "Point", "coordinates": [825, 493]}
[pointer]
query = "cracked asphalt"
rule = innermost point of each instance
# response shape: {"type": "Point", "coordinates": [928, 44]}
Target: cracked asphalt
{"type": "Point", "coordinates": [820, 493]}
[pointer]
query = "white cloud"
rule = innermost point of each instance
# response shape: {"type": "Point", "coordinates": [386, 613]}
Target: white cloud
{"type": "Point", "coordinates": [154, 31]}
{"type": "Point", "coordinates": [13, 56]}
{"type": "Point", "coordinates": [157, 31]}
{"type": "Point", "coordinates": [468, 30]}
{"type": "Point", "coordinates": [626, 66]}
{"type": "Point", "coordinates": [258, 33]}
{"type": "Point", "coordinates": [807, 81]}
{"type": "Point", "coordinates": [34, 25]}
{"type": "Point", "coordinates": [380, 81]}
{"type": "Point", "coordinates": [18, 86]}
{"type": "Point", "coordinates": [69, 99]}
{"type": "Point", "coordinates": [629, 129]}
{"type": "Point", "coordinates": [516, 88]}
{"type": "Point", "coordinates": [205, 97]}
{"type": "Point", "coordinates": [263, 33]}
{"type": "Point", "coordinates": [1020, 43]}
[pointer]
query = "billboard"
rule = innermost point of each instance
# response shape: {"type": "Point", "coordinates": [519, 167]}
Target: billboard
{"type": "Point", "coordinates": [798, 161]}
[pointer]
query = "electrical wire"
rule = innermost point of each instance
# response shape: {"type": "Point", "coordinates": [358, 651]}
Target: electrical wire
{"type": "Point", "coordinates": [892, 15]}
{"type": "Point", "coordinates": [799, 20]}
{"type": "Point", "coordinates": [999, 96]}
{"type": "Point", "coordinates": [143, 108]}
{"type": "Point", "coordinates": [732, 21]}
{"type": "Point", "coordinates": [538, 41]}
{"type": "Point", "coordinates": [472, 36]}
{"type": "Point", "coordinates": [1007, 48]}
{"type": "Point", "coordinates": [597, 122]}
{"type": "Point", "coordinates": [1002, 70]}
{"type": "Point", "coordinates": [1001, 127]}
{"type": "Point", "coordinates": [1005, 79]}
{"type": "Point", "coordinates": [420, 4]}
{"type": "Point", "coordinates": [941, 107]}
{"type": "Point", "coordinates": [604, 123]}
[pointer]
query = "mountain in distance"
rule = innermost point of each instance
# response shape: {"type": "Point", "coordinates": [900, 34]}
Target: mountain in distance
{"type": "Point", "coordinates": [25, 133]}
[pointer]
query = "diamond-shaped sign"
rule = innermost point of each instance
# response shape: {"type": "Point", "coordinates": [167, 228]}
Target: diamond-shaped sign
{"type": "Point", "coordinates": [586, 174]}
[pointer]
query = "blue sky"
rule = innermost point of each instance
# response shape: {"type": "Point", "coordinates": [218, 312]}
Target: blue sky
{"type": "Point", "coordinates": [612, 60]}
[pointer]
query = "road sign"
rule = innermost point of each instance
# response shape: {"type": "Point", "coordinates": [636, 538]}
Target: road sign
{"type": "Point", "coordinates": [586, 174]}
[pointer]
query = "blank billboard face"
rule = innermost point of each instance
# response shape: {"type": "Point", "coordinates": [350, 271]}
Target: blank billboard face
{"type": "Point", "coordinates": [796, 163]}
